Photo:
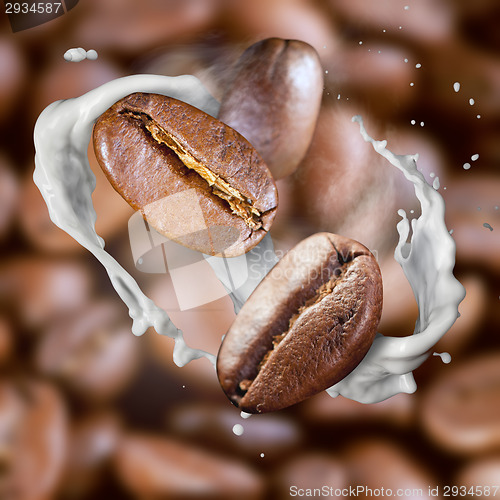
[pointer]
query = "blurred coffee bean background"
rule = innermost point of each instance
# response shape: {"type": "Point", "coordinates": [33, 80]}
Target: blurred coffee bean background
{"type": "Point", "coordinates": [88, 411]}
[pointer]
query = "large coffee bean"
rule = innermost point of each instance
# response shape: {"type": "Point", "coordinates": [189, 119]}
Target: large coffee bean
{"type": "Point", "coordinates": [307, 325]}
{"type": "Point", "coordinates": [152, 467]}
{"type": "Point", "coordinates": [376, 463]}
{"type": "Point", "coordinates": [92, 352]}
{"type": "Point", "coordinates": [33, 439]}
{"type": "Point", "coordinates": [274, 100]}
{"type": "Point", "coordinates": [188, 173]}
{"type": "Point", "coordinates": [461, 410]}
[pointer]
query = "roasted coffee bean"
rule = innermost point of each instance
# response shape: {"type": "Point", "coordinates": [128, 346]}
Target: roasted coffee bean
{"type": "Point", "coordinates": [186, 172]}
{"type": "Point", "coordinates": [6, 340]}
{"type": "Point", "coordinates": [308, 472]}
{"type": "Point", "coordinates": [342, 182]}
{"type": "Point", "coordinates": [154, 467]}
{"type": "Point", "coordinates": [12, 75]}
{"type": "Point", "coordinates": [483, 472]}
{"type": "Point", "coordinates": [287, 19]}
{"type": "Point", "coordinates": [426, 23]}
{"type": "Point", "coordinates": [307, 325]}
{"type": "Point", "coordinates": [92, 352]}
{"type": "Point", "coordinates": [9, 190]}
{"type": "Point", "coordinates": [274, 435]}
{"type": "Point", "coordinates": [473, 213]}
{"type": "Point", "coordinates": [37, 289]}
{"type": "Point", "coordinates": [93, 440]}
{"type": "Point", "coordinates": [33, 439]}
{"type": "Point", "coordinates": [125, 27]}
{"type": "Point", "coordinates": [377, 463]}
{"type": "Point", "coordinates": [461, 410]}
{"type": "Point", "coordinates": [274, 99]}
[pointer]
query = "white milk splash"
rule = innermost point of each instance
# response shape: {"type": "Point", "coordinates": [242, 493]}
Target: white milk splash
{"type": "Point", "coordinates": [427, 261]}
{"type": "Point", "coordinates": [63, 175]}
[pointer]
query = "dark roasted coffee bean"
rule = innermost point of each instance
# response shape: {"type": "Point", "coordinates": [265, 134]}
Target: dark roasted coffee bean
{"type": "Point", "coordinates": [93, 440]}
{"type": "Point", "coordinates": [461, 410]}
{"type": "Point", "coordinates": [274, 99]}
{"type": "Point", "coordinates": [186, 172]}
{"type": "Point", "coordinates": [306, 326]}
{"type": "Point", "coordinates": [273, 435]}
{"type": "Point", "coordinates": [309, 472]}
{"type": "Point", "coordinates": [153, 467]}
{"type": "Point", "coordinates": [376, 463]}
{"type": "Point", "coordinates": [92, 352]}
{"type": "Point", "coordinates": [39, 289]}
{"type": "Point", "coordinates": [33, 439]}
{"type": "Point", "coordinates": [483, 472]}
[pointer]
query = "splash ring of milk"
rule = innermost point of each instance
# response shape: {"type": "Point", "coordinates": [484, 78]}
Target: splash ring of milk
{"type": "Point", "coordinates": [63, 176]}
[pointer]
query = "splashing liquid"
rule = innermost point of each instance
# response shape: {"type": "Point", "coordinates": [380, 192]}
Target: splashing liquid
{"type": "Point", "coordinates": [427, 260]}
{"type": "Point", "coordinates": [63, 175]}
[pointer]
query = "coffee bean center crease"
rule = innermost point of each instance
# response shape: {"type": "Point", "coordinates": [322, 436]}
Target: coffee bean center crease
{"type": "Point", "coordinates": [239, 204]}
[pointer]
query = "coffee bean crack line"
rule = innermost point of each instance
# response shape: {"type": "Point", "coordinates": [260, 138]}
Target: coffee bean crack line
{"type": "Point", "coordinates": [322, 292]}
{"type": "Point", "coordinates": [239, 204]}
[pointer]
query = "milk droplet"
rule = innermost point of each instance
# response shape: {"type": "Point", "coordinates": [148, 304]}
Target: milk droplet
{"type": "Point", "coordinates": [245, 415]}
{"type": "Point", "coordinates": [413, 122]}
{"type": "Point", "coordinates": [360, 42]}
{"type": "Point", "coordinates": [487, 226]}
{"type": "Point", "coordinates": [92, 55]}
{"type": "Point", "coordinates": [445, 356]}
{"type": "Point", "coordinates": [406, 60]}
{"type": "Point", "coordinates": [466, 166]}
{"type": "Point", "coordinates": [418, 65]}
{"type": "Point", "coordinates": [238, 429]}
{"type": "Point", "coordinates": [496, 208]}
{"type": "Point", "coordinates": [432, 175]}
{"type": "Point", "coordinates": [435, 183]}
{"type": "Point", "coordinates": [326, 72]}
{"type": "Point", "coordinates": [422, 124]}
{"type": "Point", "coordinates": [262, 455]}
{"type": "Point", "coordinates": [456, 86]}
{"type": "Point", "coordinates": [407, 7]}
{"type": "Point", "coordinates": [412, 84]}
{"type": "Point", "coordinates": [471, 102]}
{"type": "Point", "coordinates": [474, 157]}
{"type": "Point", "coordinates": [478, 116]}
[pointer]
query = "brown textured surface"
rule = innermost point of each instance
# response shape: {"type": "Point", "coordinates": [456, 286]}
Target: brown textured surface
{"type": "Point", "coordinates": [274, 100]}
{"type": "Point", "coordinates": [453, 410]}
{"type": "Point", "coordinates": [144, 171]}
{"type": "Point", "coordinates": [325, 295]}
